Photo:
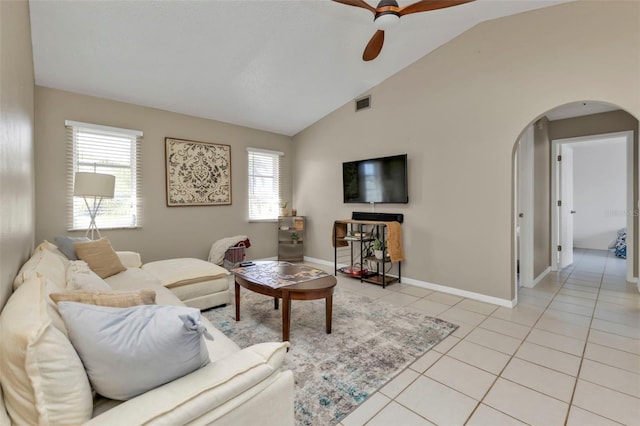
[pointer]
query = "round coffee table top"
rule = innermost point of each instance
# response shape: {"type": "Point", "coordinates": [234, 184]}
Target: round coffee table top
{"type": "Point", "coordinates": [286, 269]}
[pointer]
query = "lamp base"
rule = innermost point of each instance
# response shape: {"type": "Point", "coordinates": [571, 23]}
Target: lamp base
{"type": "Point", "coordinates": [93, 228]}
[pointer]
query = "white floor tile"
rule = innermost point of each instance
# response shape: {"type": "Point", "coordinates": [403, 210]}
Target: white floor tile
{"type": "Point", "coordinates": [493, 340]}
{"type": "Point", "coordinates": [506, 327]}
{"type": "Point", "coordinates": [463, 329]}
{"type": "Point", "coordinates": [561, 327]}
{"type": "Point", "coordinates": [411, 289]}
{"type": "Point", "coordinates": [399, 383]}
{"type": "Point", "coordinates": [580, 288]}
{"type": "Point", "coordinates": [607, 403]}
{"type": "Point", "coordinates": [521, 314]}
{"type": "Point", "coordinates": [429, 307]}
{"type": "Point", "coordinates": [620, 359]}
{"type": "Point", "coordinates": [462, 377]}
{"type": "Point", "coordinates": [366, 410]}
{"type": "Point", "coordinates": [550, 358]}
{"type": "Point", "coordinates": [556, 341]}
{"type": "Point", "coordinates": [456, 314]}
{"type": "Point", "coordinates": [526, 404]}
{"type": "Point", "coordinates": [581, 301]}
{"type": "Point", "coordinates": [446, 344]}
{"type": "Point", "coordinates": [567, 317]}
{"type": "Point", "coordinates": [425, 361]}
{"type": "Point", "coordinates": [572, 308]}
{"type": "Point", "coordinates": [447, 299]}
{"type": "Point", "coordinates": [586, 293]}
{"type": "Point", "coordinates": [396, 414]}
{"type": "Point", "coordinates": [479, 356]}
{"type": "Point", "coordinates": [615, 328]}
{"type": "Point", "coordinates": [436, 402]}
{"type": "Point", "coordinates": [541, 379]}
{"type": "Point", "coordinates": [398, 299]}
{"type": "Point", "coordinates": [487, 416]}
{"type": "Point", "coordinates": [477, 306]}
{"type": "Point", "coordinates": [611, 377]}
{"type": "Point", "coordinates": [565, 309]}
{"type": "Point", "coordinates": [615, 341]}
{"type": "Point", "coordinates": [580, 417]}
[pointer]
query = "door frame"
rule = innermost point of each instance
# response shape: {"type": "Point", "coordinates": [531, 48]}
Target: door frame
{"type": "Point", "coordinates": [525, 206]}
{"type": "Point", "coordinates": [555, 150]}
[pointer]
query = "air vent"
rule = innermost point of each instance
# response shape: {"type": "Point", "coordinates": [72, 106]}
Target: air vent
{"type": "Point", "coordinates": [363, 103]}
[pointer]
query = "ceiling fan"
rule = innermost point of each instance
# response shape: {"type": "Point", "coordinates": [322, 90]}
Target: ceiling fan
{"type": "Point", "coordinates": [388, 13]}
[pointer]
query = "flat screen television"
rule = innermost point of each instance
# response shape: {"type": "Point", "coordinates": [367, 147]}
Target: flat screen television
{"type": "Point", "coordinates": [376, 180]}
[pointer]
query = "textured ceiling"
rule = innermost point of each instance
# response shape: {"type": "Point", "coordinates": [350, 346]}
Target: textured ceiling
{"type": "Point", "coordinates": [278, 66]}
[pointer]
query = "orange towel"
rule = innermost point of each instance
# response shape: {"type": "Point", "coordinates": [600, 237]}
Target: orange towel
{"type": "Point", "coordinates": [394, 241]}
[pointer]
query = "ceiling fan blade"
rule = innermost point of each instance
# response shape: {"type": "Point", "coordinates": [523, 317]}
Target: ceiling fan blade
{"type": "Point", "coordinates": [357, 3]}
{"type": "Point", "coordinates": [427, 5]}
{"type": "Point", "coordinates": [374, 46]}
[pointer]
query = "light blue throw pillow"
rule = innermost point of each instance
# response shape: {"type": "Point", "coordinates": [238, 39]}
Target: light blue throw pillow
{"type": "Point", "coordinates": [65, 245]}
{"type": "Point", "coordinates": [128, 351]}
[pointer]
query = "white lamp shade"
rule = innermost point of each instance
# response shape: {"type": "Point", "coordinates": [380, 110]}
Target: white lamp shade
{"type": "Point", "coordinates": [94, 185]}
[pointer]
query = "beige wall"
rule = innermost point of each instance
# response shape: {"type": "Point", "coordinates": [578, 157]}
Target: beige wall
{"type": "Point", "coordinates": [597, 124]}
{"type": "Point", "coordinates": [541, 197]}
{"type": "Point", "coordinates": [166, 232]}
{"type": "Point", "coordinates": [457, 113]}
{"type": "Point", "coordinates": [16, 142]}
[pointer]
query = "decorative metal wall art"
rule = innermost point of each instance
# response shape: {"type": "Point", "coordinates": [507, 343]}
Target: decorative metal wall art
{"type": "Point", "coordinates": [198, 173]}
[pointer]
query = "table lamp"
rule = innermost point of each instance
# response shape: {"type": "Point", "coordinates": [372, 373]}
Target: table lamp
{"type": "Point", "coordinates": [97, 186]}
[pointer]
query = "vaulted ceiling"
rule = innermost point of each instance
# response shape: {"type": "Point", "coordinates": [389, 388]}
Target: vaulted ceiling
{"type": "Point", "coordinates": [273, 65]}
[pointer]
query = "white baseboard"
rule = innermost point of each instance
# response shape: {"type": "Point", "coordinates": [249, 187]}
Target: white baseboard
{"type": "Point", "coordinates": [437, 287]}
{"type": "Point", "coordinates": [539, 278]}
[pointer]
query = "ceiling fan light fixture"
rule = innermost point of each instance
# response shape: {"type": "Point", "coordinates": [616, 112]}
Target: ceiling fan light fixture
{"type": "Point", "coordinates": [387, 20]}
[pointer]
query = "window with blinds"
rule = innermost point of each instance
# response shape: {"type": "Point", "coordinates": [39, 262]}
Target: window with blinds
{"type": "Point", "coordinates": [264, 184]}
{"type": "Point", "coordinates": [109, 150]}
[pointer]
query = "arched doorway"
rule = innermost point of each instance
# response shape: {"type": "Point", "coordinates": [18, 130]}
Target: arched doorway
{"type": "Point", "coordinates": [536, 213]}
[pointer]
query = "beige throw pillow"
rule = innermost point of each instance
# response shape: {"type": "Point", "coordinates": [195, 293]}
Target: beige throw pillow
{"type": "Point", "coordinates": [100, 257]}
{"type": "Point", "coordinates": [114, 299]}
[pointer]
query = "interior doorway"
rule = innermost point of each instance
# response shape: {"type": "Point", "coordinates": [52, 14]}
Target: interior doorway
{"type": "Point", "coordinates": [564, 211]}
{"type": "Point", "coordinates": [567, 125]}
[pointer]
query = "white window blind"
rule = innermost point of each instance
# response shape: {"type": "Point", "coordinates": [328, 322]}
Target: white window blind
{"type": "Point", "coordinates": [113, 151]}
{"type": "Point", "coordinates": [264, 184]}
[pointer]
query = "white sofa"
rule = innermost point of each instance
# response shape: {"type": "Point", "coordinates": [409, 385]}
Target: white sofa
{"type": "Point", "coordinates": [238, 387]}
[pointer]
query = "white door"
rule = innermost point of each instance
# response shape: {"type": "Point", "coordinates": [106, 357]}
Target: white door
{"type": "Point", "coordinates": [525, 207]}
{"type": "Point", "coordinates": [566, 211]}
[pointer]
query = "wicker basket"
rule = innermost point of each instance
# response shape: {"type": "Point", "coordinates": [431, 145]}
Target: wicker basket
{"type": "Point", "coordinates": [233, 256]}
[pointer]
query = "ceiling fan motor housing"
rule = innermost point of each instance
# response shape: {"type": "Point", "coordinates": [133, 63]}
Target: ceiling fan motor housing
{"type": "Point", "coordinates": [386, 14]}
{"type": "Point", "coordinates": [387, 7]}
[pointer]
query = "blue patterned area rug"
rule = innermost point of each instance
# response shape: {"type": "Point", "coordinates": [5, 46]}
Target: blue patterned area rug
{"type": "Point", "coordinates": [370, 343]}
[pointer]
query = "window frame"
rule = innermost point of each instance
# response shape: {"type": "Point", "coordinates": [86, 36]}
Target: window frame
{"type": "Point", "coordinates": [274, 155]}
{"type": "Point", "coordinates": [74, 165]}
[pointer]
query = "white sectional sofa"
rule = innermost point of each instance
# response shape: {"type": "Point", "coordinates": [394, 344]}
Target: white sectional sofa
{"type": "Point", "coordinates": [238, 387]}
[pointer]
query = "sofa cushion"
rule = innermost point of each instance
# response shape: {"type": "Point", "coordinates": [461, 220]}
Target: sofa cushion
{"type": "Point", "coordinates": [65, 245]}
{"type": "Point", "coordinates": [47, 261]}
{"type": "Point", "coordinates": [100, 257]}
{"type": "Point", "coordinates": [115, 299]}
{"type": "Point", "coordinates": [128, 351]}
{"type": "Point", "coordinates": [41, 374]}
{"type": "Point", "coordinates": [81, 277]}
{"type": "Point", "coordinates": [183, 271]}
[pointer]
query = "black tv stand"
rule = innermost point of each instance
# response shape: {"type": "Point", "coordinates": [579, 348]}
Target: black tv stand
{"type": "Point", "coordinates": [359, 235]}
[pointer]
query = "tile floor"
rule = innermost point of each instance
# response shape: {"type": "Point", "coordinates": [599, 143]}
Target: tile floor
{"type": "Point", "coordinates": [569, 353]}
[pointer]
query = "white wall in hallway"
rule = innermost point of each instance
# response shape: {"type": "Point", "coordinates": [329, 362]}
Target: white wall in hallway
{"type": "Point", "coordinates": [600, 199]}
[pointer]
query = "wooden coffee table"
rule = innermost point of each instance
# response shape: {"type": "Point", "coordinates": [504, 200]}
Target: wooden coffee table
{"type": "Point", "coordinates": [320, 288]}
